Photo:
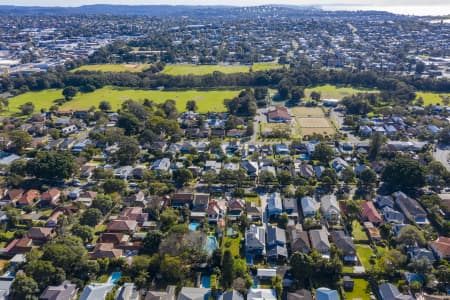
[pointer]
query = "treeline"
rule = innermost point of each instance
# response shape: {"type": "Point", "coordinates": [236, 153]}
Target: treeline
{"type": "Point", "coordinates": [301, 75]}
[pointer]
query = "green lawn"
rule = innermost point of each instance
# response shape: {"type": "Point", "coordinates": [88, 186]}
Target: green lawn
{"type": "Point", "coordinates": [364, 253]}
{"type": "Point", "coordinates": [255, 200]}
{"type": "Point", "coordinates": [206, 100]}
{"type": "Point", "coordinates": [334, 92]}
{"type": "Point", "coordinates": [360, 291]}
{"type": "Point", "coordinates": [358, 232]}
{"type": "Point", "coordinates": [209, 69]}
{"type": "Point", "coordinates": [233, 244]}
{"type": "Point", "coordinates": [113, 68]}
{"type": "Point", "coordinates": [431, 98]}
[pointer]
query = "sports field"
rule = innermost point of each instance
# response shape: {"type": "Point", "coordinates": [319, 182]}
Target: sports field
{"type": "Point", "coordinates": [206, 100]}
{"type": "Point", "coordinates": [307, 112]}
{"type": "Point", "coordinates": [334, 92]}
{"type": "Point", "coordinates": [432, 98]}
{"type": "Point", "coordinates": [311, 120]}
{"type": "Point", "coordinates": [209, 69]}
{"type": "Point", "coordinates": [113, 68]}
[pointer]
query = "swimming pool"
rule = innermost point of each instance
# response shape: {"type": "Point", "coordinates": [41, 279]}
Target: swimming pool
{"type": "Point", "coordinates": [115, 276]}
{"type": "Point", "coordinates": [193, 226]}
{"type": "Point", "coordinates": [210, 245]}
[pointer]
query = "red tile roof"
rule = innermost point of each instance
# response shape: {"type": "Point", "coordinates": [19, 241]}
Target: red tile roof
{"type": "Point", "coordinates": [369, 212]}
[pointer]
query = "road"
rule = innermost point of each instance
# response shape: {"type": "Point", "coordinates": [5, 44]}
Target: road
{"type": "Point", "coordinates": [442, 154]}
{"type": "Point", "coordinates": [338, 119]}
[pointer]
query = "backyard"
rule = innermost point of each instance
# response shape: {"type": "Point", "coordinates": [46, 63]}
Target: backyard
{"type": "Point", "coordinates": [360, 291]}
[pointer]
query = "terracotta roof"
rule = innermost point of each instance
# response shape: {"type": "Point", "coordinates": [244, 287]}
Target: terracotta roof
{"type": "Point", "coordinates": [442, 244]}
{"type": "Point", "coordinates": [369, 212]}
{"type": "Point", "coordinates": [51, 194]}
{"type": "Point", "coordinates": [106, 250]}
{"type": "Point", "coordinates": [279, 112]}
{"type": "Point", "coordinates": [121, 225]}
{"type": "Point", "coordinates": [28, 197]}
{"type": "Point", "coordinates": [39, 233]}
{"type": "Point", "coordinates": [14, 194]}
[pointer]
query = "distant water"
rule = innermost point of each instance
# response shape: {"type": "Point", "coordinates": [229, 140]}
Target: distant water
{"type": "Point", "coordinates": [415, 10]}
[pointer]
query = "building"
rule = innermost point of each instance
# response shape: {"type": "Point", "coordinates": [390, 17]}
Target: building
{"type": "Point", "coordinates": [96, 291]}
{"type": "Point", "coordinates": [388, 291]}
{"type": "Point", "coordinates": [324, 293]}
{"type": "Point", "coordinates": [274, 205]}
{"type": "Point", "coordinates": [441, 247]}
{"type": "Point", "coordinates": [279, 114]}
{"type": "Point", "coordinates": [330, 208]}
{"type": "Point", "coordinates": [189, 293]}
{"type": "Point", "coordinates": [64, 291]}
{"type": "Point", "coordinates": [231, 295]}
{"type": "Point", "coordinates": [319, 241]}
{"type": "Point", "coordinates": [261, 294]}
{"type": "Point", "coordinates": [370, 213]}
{"type": "Point", "coordinates": [411, 208]}
{"type": "Point", "coordinates": [255, 240]}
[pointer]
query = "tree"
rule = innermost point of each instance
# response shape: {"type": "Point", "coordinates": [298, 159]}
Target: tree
{"type": "Point", "coordinates": [69, 92]}
{"type": "Point", "coordinates": [191, 105]}
{"type": "Point", "coordinates": [404, 173]}
{"type": "Point", "coordinates": [129, 122]}
{"type": "Point", "coordinates": [105, 106]}
{"type": "Point", "coordinates": [297, 94]}
{"type": "Point", "coordinates": [172, 270]}
{"type": "Point", "coordinates": [376, 142]}
{"type": "Point", "coordinates": [315, 95]}
{"type": "Point", "coordinates": [323, 153]}
{"type": "Point", "coordinates": [284, 177]}
{"type": "Point", "coordinates": [113, 185]}
{"type": "Point", "coordinates": [182, 177]}
{"type": "Point", "coordinates": [24, 287]}
{"type": "Point", "coordinates": [45, 273]}
{"type": "Point", "coordinates": [168, 218]}
{"type": "Point", "coordinates": [367, 178]}
{"type": "Point", "coordinates": [52, 165]}
{"type": "Point", "coordinates": [420, 67]}
{"type": "Point", "coordinates": [277, 284]}
{"type": "Point", "coordinates": [27, 108]}
{"type": "Point", "coordinates": [21, 139]}
{"type": "Point", "coordinates": [152, 241]}
{"type": "Point", "coordinates": [128, 151]}
{"type": "Point", "coordinates": [283, 220]}
{"type": "Point", "coordinates": [410, 236]}
{"type": "Point", "coordinates": [227, 269]}
{"type": "Point", "coordinates": [84, 232]}
{"type": "Point", "coordinates": [301, 266]}
{"type": "Point", "coordinates": [348, 175]}
{"type": "Point", "coordinates": [103, 202]}
{"type": "Point", "coordinates": [67, 253]}
{"type": "Point", "coordinates": [91, 217]}
{"type": "Point", "coordinates": [266, 177]}
{"type": "Point", "coordinates": [353, 210]}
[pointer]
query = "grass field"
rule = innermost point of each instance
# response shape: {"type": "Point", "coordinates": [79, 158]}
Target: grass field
{"type": "Point", "coordinates": [358, 232]}
{"type": "Point", "coordinates": [233, 245]}
{"type": "Point", "coordinates": [206, 100]}
{"type": "Point", "coordinates": [333, 92]}
{"type": "Point", "coordinates": [431, 98]}
{"type": "Point", "coordinates": [209, 69]}
{"type": "Point", "coordinates": [113, 68]}
{"type": "Point", "coordinates": [364, 253]}
{"type": "Point", "coordinates": [360, 291]}
{"type": "Point", "coordinates": [307, 112]}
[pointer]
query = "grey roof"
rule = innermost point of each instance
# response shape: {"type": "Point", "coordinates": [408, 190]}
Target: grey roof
{"type": "Point", "coordinates": [300, 241]}
{"type": "Point", "coordinates": [388, 291]}
{"type": "Point", "coordinates": [343, 242]}
{"type": "Point", "coordinates": [128, 291]}
{"type": "Point", "coordinates": [319, 239]}
{"type": "Point", "coordinates": [64, 291]}
{"type": "Point", "coordinates": [231, 295]}
{"type": "Point", "coordinates": [300, 295]}
{"type": "Point", "coordinates": [5, 285]}
{"type": "Point", "coordinates": [275, 234]}
{"type": "Point", "coordinates": [189, 293]}
{"type": "Point", "coordinates": [277, 251]}
{"type": "Point", "coordinates": [96, 291]}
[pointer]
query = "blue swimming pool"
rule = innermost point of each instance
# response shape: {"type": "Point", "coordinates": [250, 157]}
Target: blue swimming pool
{"type": "Point", "coordinates": [193, 226]}
{"type": "Point", "coordinates": [205, 281]}
{"type": "Point", "coordinates": [210, 245]}
{"type": "Point", "coordinates": [115, 276]}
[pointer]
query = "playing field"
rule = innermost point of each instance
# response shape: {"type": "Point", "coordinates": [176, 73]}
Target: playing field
{"type": "Point", "coordinates": [209, 69]}
{"type": "Point", "coordinates": [206, 100]}
{"type": "Point", "coordinates": [307, 112]}
{"type": "Point", "coordinates": [432, 98]}
{"type": "Point", "coordinates": [113, 68]}
{"type": "Point", "coordinates": [311, 120]}
{"type": "Point", "coordinates": [333, 92]}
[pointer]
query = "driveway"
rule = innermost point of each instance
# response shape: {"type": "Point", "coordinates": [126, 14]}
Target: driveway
{"type": "Point", "coordinates": [442, 154]}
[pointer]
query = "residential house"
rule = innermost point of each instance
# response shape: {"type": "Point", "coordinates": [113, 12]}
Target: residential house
{"type": "Point", "coordinates": [235, 208]}
{"type": "Point", "coordinates": [181, 199]}
{"type": "Point", "coordinates": [441, 247]}
{"type": "Point", "coordinates": [282, 149]}
{"type": "Point", "coordinates": [388, 291]}
{"type": "Point", "coordinates": [392, 216]}
{"type": "Point", "coordinates": [274, 205]}
{"type": "Point", "coordinates": [40, 234]}
{"type": "Point", "coordinates": [304, 170]}
{"type": "Point", "coordinates": [106, 250]}
{"type": "Point", "coordinates": [299, 239]}
{"type": "Point", "coordinates": [411, 208]}
{"type": "Point", "coordinates": [330, 208]}
{"type": "Point", "coordinates": [52, 221]}
{"type": "Point", "coordinates": [200, 202]}
{"type": "Point", "coordinates": [324, 293]}
{"type": "Point", "coordinates": [96, 291]}
{"type": "Point", "coordinates": [309, 206]}
{"type": "Point", "coordinates": [276, 243]}
{"type": "Point", "coordinates": [50, 197]}
{"type": "Point", "coordinates": [290, 207]}
{"type": "Point", "coordinates": [65, 291]}
{"type": "Point", "coordinates": [344, 243]}
{"type": "Point", "coordinates": [338, 164]}
{"type": "Point", "coordinates": [161, 165]}
{"type": "Point", "coordinates": [279, 114]}
{"type": "Point", "coordinates": [261, 294]}
{"type": "Point", "coordinates": [5, 287]}
{"type": "Point", "coordinates": [28, 198]}
{"type": "Point", "coordinates": [255, 240]}
{"type": "Point", "coordinates": [18, 246]}
{"type": "Point", "coordinates": [302, 294]}
{"type": "Point", "coordinates": [370, 213]}
{"type": "Point", "coordinates": [125, 226]}
{"type": "Point", "coordinates": [189, 293]}
{"type": "Point", "coordinates": [254, 212]}
{"type": "Point", "coordinates": [133, 213]}
{"type": "Point", "coordinates": [250, 167]}
{"type": "Point", "coordinates": [383, 201]}
{"type": "Point", "coordinates": [168, 294]}
{"type": "Point", "coordinates": [128, 291]}
{"type": "Point", "coordinates": [216, 210]}
{"type": "Point", "coordinates": [231, 295]}
{"type": "Point", "coordinates": [319, 241]}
